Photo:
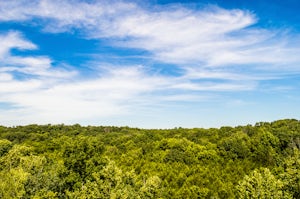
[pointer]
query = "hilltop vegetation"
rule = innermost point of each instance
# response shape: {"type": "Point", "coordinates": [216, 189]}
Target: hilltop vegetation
{"type": "Point", "coordinates": [60, 161]}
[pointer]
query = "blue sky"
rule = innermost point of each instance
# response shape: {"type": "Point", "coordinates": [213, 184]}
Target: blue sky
{"type": "Point", "coordinates": [149, 64]}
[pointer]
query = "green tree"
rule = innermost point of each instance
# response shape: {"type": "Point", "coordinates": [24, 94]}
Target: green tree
{"type": "Point", "coordinates": [12, 183]}
{"type": "Point", "coordinates": [236, 145]}
{"type": "Point", "coordinates": [5, 146]}
{"type": "Point", "coordinates": [110, 182]}
{"type": "Point", "coordinates": [291, 174]}
{"type": "Point", "coordinates": [265, 146]}
{"type": "Point", "coordinates": [152, 187]}
{"type": "Point", "coordinates": [261, 184]}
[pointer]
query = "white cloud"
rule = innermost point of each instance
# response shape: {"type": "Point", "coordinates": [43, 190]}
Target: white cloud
{"type": "Point", "coordinates": [5, 77]}
{"type": "Point", "coordinates": [212, 86]}
{"type": "Point", "coordinates": [13, 86]}
{"type": "Point", "coordinates": [51, 95]}
{"type": "Point", "coordinates": [210, 37]}
{"type": "Point", "coordinates": [13, 40]}
{"type": "Point", "coordinates": [116, 93]}
{"type": "Point", "coordinates": [207, 45]}
{"type": "Point", "coordinates": [30, 65]}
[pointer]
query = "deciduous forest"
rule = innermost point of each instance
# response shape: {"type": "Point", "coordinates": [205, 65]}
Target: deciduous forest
{"type": "Point", "coordinates": [73, 161]}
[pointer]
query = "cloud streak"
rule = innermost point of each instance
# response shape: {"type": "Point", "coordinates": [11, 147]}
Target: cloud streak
{"type": "Point", "coordinates": [50, 95]}
{"type": "Point", "coordinates": [210, 37]}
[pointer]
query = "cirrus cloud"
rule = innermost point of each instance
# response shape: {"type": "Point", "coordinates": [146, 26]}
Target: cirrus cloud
{"type": "Point", "coordinates": [216, 50]}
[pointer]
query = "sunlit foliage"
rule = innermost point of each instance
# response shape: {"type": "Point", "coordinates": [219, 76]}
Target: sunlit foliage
{"type": "Point", "coordinates": [61, 161]}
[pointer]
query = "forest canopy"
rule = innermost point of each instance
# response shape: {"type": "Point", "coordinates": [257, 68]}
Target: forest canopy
{"type": "Point", "coordinates": [73, 161]}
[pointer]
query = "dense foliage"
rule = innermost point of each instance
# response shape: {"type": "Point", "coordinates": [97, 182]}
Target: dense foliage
{"type": "Point", "coordinates": [60, 161]}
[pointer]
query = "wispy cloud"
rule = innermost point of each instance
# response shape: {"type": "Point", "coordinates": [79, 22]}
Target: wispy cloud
{"type": "Point", "coordinates": [215, 49]}
{"type": "Point", "coordinates": [211, 36]}
{"type": "Point", "coordinates": [13, 40]}
{"type": "Point", "coordinates": [47, 92]}
{"type": "Point", "coordinates": [37, 65]}
{"type": "Point", "coordinates": [50, 95]}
